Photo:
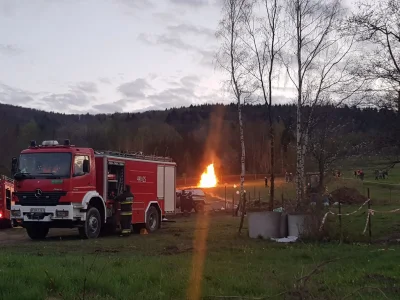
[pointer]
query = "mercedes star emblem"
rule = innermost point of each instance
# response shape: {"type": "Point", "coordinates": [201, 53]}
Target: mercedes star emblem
{"type": "Point", "coordinates": [38, 193]}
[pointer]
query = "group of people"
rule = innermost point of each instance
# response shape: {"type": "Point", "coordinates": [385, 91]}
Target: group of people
{"type": "Point", "coordinates": [288, 177]}
{"type": "Point", "coordinates": [379, 174]}
{"type": "Point", "coordinates": [359, 174]}
{"type": "Point", "coordinates": [186, 198]}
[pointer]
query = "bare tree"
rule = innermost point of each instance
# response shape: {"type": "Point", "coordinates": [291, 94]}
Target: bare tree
{"type": "Point", "coordinates": [231, 58]}
{"type": "Point", "coordinates": [376, 24]}
{"type": "Point", "coordinates": [264, 41]}
{"type": "Point", "coordinates": [321, 72]}
{"type": "Point", "coordinates": [326, 148]}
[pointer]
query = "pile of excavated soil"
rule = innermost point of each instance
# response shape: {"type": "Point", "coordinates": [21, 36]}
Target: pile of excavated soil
{"type": "Point", "coordinates": [347, 195]}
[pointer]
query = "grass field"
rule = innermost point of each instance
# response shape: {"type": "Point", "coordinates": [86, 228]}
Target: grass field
{"type": "Point", "coordinates": [205, 257]}
{"type": "Point", "coordinates": [196, 257]}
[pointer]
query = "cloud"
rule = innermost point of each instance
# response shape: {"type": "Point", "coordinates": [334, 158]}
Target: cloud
{"type": "Point", "coordinates": [117, 106]}
{"type": "Point", "coordinates": [134, 89]}
{"type": "Point", "coordinates": [165, 17]}
{"type": "Point", "coordinates": [190, 2]}
{"type": "Point", "coordinates": [191, 29]}
{"type": "Point", "coordinates": [190, 81]}
{"type": "Point", "coordinates": [183, 92]}
{"type": "Point", "coordinates": [15, 96]}
{"type": "Point", "coordinates": [7, 7]}
{"type": "Point", "coordinates": [64, 101]}
{"type": "Point", "coordinates": [87, 87]}
{"type": "Point", "coordinates": [105, 80]}
{"type": "Point", "coordinates": [8, 49]}
{"type": "Point", "coordinates": [202, 56]}
{"type": "Point", "coordinates": [137, 4]}
{"type": "Point", "coordinates": [61, 102]}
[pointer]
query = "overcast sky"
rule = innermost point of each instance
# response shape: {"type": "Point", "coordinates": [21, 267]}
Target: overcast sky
{"type": "Point", "coordinates": [103, 56]}
{"type": "Point", "coordinates": [79, 56]}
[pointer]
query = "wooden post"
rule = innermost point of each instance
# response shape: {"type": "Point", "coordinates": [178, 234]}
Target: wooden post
{"type": "Point", "coordinates": [225, 197]}
{"type": "Point", "coordinates": [369, 219]}
{"type": "Point", "coordinates": [259, 196]}
{"type": "Point", "coordinates": [233, 204]}
{"type": "Point", "coordinates": [254, 191]}
{"type": "Point", "coordinates": [282, 200]}
{"type": "Point", "coordinates": [340, 223]}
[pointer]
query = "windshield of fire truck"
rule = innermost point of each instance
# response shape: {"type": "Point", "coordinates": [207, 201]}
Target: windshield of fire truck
{"type": "Point", "coordinates": [46, 164]}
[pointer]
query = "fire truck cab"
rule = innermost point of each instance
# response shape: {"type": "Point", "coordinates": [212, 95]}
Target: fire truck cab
{"type": "Point", "coordinates": [64, 186]}
{"type": "Point", "coordinates": [6, 190]}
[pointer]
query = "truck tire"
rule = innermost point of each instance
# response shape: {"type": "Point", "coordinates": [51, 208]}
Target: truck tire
{"type": "Point", "coordinates": [199, 207]}
{"type": "Point", "coordinates": [37, 231]}
{"type": "Point", "coordinates": [92, 226]}
{"type": "Point", "coordinates": [152, 219]}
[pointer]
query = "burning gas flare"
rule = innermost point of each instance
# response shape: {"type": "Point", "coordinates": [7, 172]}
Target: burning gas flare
{"type": "Point", "coordinates": [208, 178]}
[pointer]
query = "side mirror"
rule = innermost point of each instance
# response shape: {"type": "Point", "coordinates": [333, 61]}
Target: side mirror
{"type": "Point", "coordinates": [86, 166]}
{"type": "Point", "coordinates": [14, 166]}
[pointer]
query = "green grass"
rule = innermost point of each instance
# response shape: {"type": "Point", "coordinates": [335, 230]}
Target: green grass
{"type": "Point", "coordinates": [369, 165]}
{"type": "Point", "coordinates": [385, 226]}
{"type": "Point", "coordinates": [158, 266]}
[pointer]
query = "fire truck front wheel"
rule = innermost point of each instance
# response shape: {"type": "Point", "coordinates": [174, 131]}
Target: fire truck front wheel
{"type": "Point", "coordinates": [152, 219]}
{"type": "Point", "coordinates": [92, 226]}
{"type": "Point", "coordinates": [37, 231]}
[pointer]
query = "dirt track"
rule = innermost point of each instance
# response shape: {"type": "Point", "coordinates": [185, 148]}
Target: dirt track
{"type": "Point", "coordinates": [18, 235]}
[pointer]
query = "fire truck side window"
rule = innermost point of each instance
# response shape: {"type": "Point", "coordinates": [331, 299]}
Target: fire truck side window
{"type": "Point", "coordinates": [8, 199]}
{"type": "Point", "coordinates": [78, 164]}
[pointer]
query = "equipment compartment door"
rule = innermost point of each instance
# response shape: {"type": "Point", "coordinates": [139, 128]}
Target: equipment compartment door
{"type": "Point", "coordinates": [160, 182]}
{"type": "Point", "coordinates": [170, 189]}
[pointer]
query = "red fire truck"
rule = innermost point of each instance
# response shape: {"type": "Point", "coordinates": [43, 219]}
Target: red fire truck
{"type": "Point", "coordinates": [6, 190]}
{"type": "Point", "coordinates": [64, 186]}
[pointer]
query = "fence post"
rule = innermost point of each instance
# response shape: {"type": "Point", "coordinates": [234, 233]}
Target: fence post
{"type": "Point", "coordinates": [282, 200]}
{"type": "Point", "coordinates": [225, 197]}
{"type": "Point", "coordinates": [340, 222]}
{"type": "Point", "coordinates": [233, 204]}
{"type": "Point", "coordinates": [369, 219]}
{"type": "Point", "coordinates": [259, 196]}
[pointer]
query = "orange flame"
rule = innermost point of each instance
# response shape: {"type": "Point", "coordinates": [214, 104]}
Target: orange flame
{"type": "Point", "coordinates": [208, 178]}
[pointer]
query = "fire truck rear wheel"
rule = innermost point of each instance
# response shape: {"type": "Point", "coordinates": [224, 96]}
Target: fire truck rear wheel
{"type": "Point", "coordinates": [92, 226]}
{"type": "Point", "coordinates": [152, 219]}
{"type": "Point", "coordinates": [37, 231]}
{"type": "Point", "coordinates": [199, 207]}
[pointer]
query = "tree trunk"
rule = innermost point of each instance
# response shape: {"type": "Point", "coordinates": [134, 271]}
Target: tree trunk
{"type": "Point", "coordinates": [242, 163]}
{"type": "Point", "coordinates": [299, 144]}
{"type": "Point", "coordinates": [299, 156]}
{"type": "Point", "coordinates": [321, 169]}
{"type": "Point", "coordinates": [398, 102]}
{"type": "Point", "coordinates": [272, 188]}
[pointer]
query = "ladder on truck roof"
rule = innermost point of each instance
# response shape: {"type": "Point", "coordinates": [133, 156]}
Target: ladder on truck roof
{"type": "Point", "coordinates": [3, 177]}
{"type": "Point", "coordinates": [134, 155]}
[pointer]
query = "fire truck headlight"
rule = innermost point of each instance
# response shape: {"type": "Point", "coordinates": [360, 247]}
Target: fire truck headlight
{"type": "Point", "coordinates": [16, 213]}
{"type": "Point", "coordinates": [61, 213]}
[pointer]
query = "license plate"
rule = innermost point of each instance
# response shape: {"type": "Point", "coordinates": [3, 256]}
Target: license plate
{"type": "Point", "coordinates": [37, 210]}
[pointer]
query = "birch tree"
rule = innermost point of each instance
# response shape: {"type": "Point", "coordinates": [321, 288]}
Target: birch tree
{"type": "Point", "coordinates": [264, 41]}
{"type": "Point", "coordinates": [321, 70]}
{"type": "Point", "coordinates": [231, 58]}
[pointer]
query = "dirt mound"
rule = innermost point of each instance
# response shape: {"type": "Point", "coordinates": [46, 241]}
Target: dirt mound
{"type": "Point", "coordinates": [347, 195]}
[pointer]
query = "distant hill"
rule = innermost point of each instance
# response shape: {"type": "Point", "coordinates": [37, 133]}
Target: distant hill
{"type": "Point", "coordinates": [193, 136]}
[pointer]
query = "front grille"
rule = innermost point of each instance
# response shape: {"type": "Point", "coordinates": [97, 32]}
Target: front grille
{"type": "Point", "coordinates": [46, 199]}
